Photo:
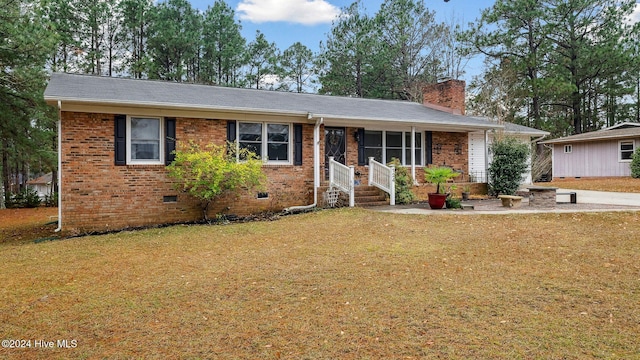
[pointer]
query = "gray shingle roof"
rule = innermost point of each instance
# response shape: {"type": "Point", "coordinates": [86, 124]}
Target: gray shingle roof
{"type": "Point", "coordinates": [607, 134]}
{"type": "Point", "coordinates": [520, 129]}
{"type": "Point", "coordinates": [120, 91]}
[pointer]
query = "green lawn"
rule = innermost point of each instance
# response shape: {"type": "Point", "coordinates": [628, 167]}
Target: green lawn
{"type": "Point", "coordinates": [341, 284]}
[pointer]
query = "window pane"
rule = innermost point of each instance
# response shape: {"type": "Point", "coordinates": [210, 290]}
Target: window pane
{"type": "Point", "coordinates": [278, 133]}
{"type": "Point", "coordinates": [145, 150]}
{"type": "Point", "coordinates": [145, 129]}
{"type": "Point", "coordinates": [255, 148]}
{"type": "Point", "coordinates": [145, 139]}
{"type": "Point", "coordinates": [626, 150]}
{"type": "Point", "coordinates": [279, 152]}
{"type": "Point", "coordinates": [250, 132]}
{"type": "Point", "coordinates": [418, 159]}
{"type": "Point", "coordinates": [373, 138]}
{"type": "Point", "coordinates": [394, 153]}
{"type": "Point", "coordinates": [394, 139]}
{"type": "Point", "coordinates": [407, 141]}
{"type": "Point", "coordinates": [375, 152]}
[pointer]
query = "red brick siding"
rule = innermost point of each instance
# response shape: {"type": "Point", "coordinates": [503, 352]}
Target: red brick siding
{"type": "Point", "coordinates": [448, 94]}
{"type": "Point", "coordinates": [98, 196]}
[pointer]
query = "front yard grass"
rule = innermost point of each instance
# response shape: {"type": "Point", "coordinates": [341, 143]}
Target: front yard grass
{"type": "Point", "coordinates": [341, 284]}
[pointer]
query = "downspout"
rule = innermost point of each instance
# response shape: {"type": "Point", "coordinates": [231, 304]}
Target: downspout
{"type": "Point", "coordinates": [316, 169]}
{"type": "Point", "coordinates": [59, 126]}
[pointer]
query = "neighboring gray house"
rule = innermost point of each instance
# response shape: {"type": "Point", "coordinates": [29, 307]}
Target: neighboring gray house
{"type": "Point", "coordinates": [603, 153]}
{"type": "Point", "coordinates": [480, 142]}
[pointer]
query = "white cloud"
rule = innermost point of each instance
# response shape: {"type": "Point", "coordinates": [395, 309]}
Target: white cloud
{"type": "Point", "coordinates": [306, 12]}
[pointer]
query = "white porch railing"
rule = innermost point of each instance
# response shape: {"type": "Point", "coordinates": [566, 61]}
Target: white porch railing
{"type": "Point", "coordinates": [342, 178]}
{"type": "Point", "coordinates": [383, 177]}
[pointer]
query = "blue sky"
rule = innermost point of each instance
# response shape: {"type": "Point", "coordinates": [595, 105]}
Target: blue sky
{"type": "Point", "coordinates": [309, 21]}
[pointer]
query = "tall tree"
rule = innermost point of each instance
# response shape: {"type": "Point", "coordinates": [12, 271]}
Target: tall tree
{"type": "Point", "coordinates": [514, 30]}
{"type": "Point", "coordinates": [62, 19]}
{"type": "Point", "coordinates": [572, 58]}
{"type": "Point", "coordinates": [262, 58]}
{"type": "Point", "coordinates": [297, 67]}
{"type": "Point", "coordinates": [25, 44]}
{"type": "Point", "coordinates": [93, 17]}
{"type": "Point", "coordinates": [414, 44]}
{"type": "Point", "coordinates": [113, 42]}
{"type": "Point", "coordinates": [588, 38]}
{"type": "Point", "coordinates": [351, 55]}
{"type": "Point", "coordinates": [222, 45]}
{"type": "Point", "coordinates": [136, 16]}
{"type": "Point", "coordinates": [174, 41]}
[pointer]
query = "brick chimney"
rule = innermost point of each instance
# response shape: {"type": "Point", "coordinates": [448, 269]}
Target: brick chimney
{"type": "Point", "coordinates": [445, 96]}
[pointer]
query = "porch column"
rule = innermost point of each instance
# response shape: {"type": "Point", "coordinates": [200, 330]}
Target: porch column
{"type": "Point", "coordinates": [413, 154]}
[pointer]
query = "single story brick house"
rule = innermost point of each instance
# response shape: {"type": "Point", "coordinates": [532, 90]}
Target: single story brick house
{"type": "Point", "coordinates": [603, 153]}
{"type": "Point", "coordinates": [117, 135]}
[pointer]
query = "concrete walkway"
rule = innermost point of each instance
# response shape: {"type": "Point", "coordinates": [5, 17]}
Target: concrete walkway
{"type": "Point", "coordinates": [587, 201]}
{"type": "Point", "coordinates": [601, 197]}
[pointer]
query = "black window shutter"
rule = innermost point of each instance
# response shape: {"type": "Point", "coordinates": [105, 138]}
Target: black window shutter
{"type": "Point", "coordinates": [170, 140]}
{"type": "Point", "coordinates": [361, 155]}
{"type": "Point", "coordinates": [120, 144]}
{"type": "Point", "coordinates": [231, 131]}
{"type": "Point", "coordinates": [429, 144]}
{"type": "Point", "coordinates": [297, 149]}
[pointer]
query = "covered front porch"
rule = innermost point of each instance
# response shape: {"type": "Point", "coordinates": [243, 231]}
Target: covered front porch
{"type": "Point", "coordinates": [347, 157]}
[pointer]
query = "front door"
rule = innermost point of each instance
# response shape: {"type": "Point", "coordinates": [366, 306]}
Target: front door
{"type": "Point", "coordinates": [334, 145]}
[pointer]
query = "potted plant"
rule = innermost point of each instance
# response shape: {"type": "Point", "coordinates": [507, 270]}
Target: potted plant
{"type": "Point", "coordinates": [438, 175]}
{"type": "Point", "coordinates": [466, 191]}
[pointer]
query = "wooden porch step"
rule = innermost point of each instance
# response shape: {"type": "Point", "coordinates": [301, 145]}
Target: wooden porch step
{"type": "Point", "coordinates": [373, 204]}
{"type": "Point", "coordinates": [365, 195]}
{"type": "Point", "coordinates": [370, 196]}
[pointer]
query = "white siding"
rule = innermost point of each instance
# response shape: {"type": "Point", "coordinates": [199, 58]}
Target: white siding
{"type": "Point", "coordinates": [476, 155]}
{"type": "Point", "coordinates": [477, 163]}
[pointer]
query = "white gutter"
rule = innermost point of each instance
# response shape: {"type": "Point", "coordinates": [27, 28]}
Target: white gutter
{"type": "Point", "coordinates": [59, 126]}
{"type": "Point", "coordinates": [316, 168]}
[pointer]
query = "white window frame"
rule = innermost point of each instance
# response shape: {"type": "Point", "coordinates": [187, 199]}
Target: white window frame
{"type": "Point", "coordinates": [160, 160]}
{"type": "Point", "coordinates": [633, 144]}
{"type": "Point", "coordinates": [405, 147]}
{"type": "Point", "coordinates": [568, 149]}
{"type": "Point", "coordinates": [264, 145]}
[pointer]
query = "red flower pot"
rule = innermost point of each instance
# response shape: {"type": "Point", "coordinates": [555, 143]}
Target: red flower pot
{"type": "Point", "coordinates": [437, 201]}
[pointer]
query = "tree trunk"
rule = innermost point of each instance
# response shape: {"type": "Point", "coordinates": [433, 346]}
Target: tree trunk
{"type": "Point", "coordinates": [205, 211]}
{"type": "Point", "coordinates": [5, 172]}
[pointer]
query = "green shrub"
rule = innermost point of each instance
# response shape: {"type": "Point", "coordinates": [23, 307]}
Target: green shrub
{"type": "Point", "coordinates": [26, 198]}
{"type": "Point", "coordinates": [51, 200]}
{"type": "Point", "coordinates": [453, 203]}
{"type": "Point", "coordinates": [635, 164]}
{"type": "Point", "coordinates": [31, 198]}
{"type": "Point", "coordinates": [215, 171]}
{"type": "Point", "coordinates": [404, 183]}
{"type": "Point", "coordinates": [509, 164]}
